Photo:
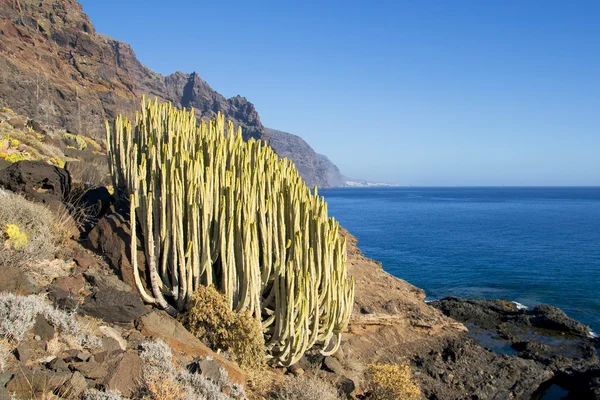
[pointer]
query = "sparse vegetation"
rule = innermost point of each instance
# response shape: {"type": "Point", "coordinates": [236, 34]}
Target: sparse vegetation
{"type": "Point", "coordinates": [27, 228]}
{"type": "Point", "coordinates": [18, 314]}
{"type": "Point", "coordinates": [392, 382]}
{"type": "Point", "coordinates": [164, 381]}
{"type": "Point", "coordinates": [307, 387]}
{"type": "Point", "coordinates": [211, 320]}
{"type": "Point", "coordinates": [93, 394]}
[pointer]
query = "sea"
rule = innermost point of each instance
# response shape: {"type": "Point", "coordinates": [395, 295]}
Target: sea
{"type": "Point", "coordinates": [530, 245]}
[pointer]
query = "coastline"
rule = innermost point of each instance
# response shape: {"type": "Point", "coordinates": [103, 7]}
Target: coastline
{"type": "Point", "coordinates": [393, 322]}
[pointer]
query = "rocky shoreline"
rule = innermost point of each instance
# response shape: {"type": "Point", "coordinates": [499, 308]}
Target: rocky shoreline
{"type": "Point", "coordinates": [559, 346]}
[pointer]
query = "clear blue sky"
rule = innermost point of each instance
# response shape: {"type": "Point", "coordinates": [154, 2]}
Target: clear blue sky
{"type": "Point", "coordinates": [411, 92]}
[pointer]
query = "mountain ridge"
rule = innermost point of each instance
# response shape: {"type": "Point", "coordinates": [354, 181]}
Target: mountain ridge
{"type": "Point", "coordinates": [55, 68]}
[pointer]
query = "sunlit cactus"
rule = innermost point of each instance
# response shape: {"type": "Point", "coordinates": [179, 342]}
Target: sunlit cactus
{"type": "Point", "coordinates": [215, 210]}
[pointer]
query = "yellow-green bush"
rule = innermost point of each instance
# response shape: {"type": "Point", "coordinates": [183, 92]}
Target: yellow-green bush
{"type": "Point", "coordinates": [392, 382]}
{"type": "Point", "coordinates": [14, 157]}
{"type": "Point", "coordinates": [76, 139]}
{"type": "Point", "coordinates": [27, 228]}
{"type": "Point", "coordinates": [211, 320]}
{"type": "Point", "coordinates": [14, 237]}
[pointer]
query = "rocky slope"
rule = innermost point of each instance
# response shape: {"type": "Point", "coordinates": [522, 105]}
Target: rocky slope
{"type": "Point", "coordinates": [316, 169]}
{"type": "Point", "coordinates": [55, 68]}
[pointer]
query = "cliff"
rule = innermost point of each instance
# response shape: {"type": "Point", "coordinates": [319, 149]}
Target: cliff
{"type": "Point", "coordinates": [316, 169]}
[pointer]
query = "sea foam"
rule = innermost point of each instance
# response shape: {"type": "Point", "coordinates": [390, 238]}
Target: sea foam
{"type": "Point", "coordinates": [520, 306]}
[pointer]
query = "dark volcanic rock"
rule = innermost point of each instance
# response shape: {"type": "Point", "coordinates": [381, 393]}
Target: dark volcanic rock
{"type": "Point", "coordinates": [545, 335]}
{"type": "Point", "coordinates": [37, 181]}
{"type": "Point", "coordinates": [460, 366]}
{"type": "Point", "coordinates": [114, 306]}
{"type": "Point", "coordinates": [552, 318]}
{"type": "Point", "coordinates": [111, 238]}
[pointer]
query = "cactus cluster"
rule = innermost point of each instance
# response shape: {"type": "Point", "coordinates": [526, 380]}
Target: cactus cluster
{"type": "Point", "coordinates": [215, 210]}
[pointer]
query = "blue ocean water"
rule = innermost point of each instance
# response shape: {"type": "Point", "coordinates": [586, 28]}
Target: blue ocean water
{"type": "Point", "coordinates": [530, 245]}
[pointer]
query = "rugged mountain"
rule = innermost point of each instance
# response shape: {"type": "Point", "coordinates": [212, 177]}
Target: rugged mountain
{"type": "Point", "coordinates": [316, 169]}
{"type": "Point", "coordinates": [55, 68]}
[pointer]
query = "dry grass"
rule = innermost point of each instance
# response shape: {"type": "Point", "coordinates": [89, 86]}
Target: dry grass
{"type": "Point", "coordinates": [160, 387]}
{"type": "Point", "coordinates": [392, 382]}
{"type": "Point", "coordinates": [307, 387]}
{"type": "Point", "coordinates": [93, 394]}
{"type": "Point", "coordinates": [211, 320]}
{"type": "Point", "coordinates": [5, 349]}
{"type": "Point", "coordinates": [33, 220]}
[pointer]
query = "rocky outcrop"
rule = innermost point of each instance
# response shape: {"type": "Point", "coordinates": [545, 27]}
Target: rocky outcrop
{"type": "Point", "coordinates": [316, 169]}
{"type": "Point", "coordinates": [36, 180]}
{"type": "Point", "coordinates": [55, 68]}
{"type": "Point", "coordinates": [545, 335]}
{"type": "Point", "coordinates": [111, 238]}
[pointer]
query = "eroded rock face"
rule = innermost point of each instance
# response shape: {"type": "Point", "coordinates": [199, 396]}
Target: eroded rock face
{"type": "Point", "coordinates": [114, 306]}
{"type": "Point", "coordinates": [37, 181]}
{"type": "Point", "coordinates": [316, 169]}
{"type": "Point", "coordinates": [56, 69]}
{"type": "Point", "coordinates": [111, 238]}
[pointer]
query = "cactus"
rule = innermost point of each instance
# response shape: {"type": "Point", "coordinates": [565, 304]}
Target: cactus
{"type": "Point", "coordinates": [217, 211]}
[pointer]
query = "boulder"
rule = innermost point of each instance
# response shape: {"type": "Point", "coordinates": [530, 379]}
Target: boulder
{"type": "Point", "coordinates": [29, 383]}
{"type": "Point", "coordinates": [74, 387]}
{"type": "Point", "coordinates": [15, 280]}
{"type": "Point", "coordinates": [125, 373]}
{"type": "Point", "coordinates": [552, 318]}
{"type": "Point", "coordinates": [83, 259]}
{"type": "Point", "coordinates": [91, 370]}
{"type": "Point", "coordinates": [112, 339]}
{"type": "Point", "coordinates": [114, 306]}
{"type": "Point", "coordinates": [100, 282]}
{"type": "Point", "coordinates": [160, 325]}
{"type": "Point", "coordinates": [111, 237]}
{"type": "Point", "coordinates": [42, 328]}
{"type": "Point", "coordinates": [37, 181]}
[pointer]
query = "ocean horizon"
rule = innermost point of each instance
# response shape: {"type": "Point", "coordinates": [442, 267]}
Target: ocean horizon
{"type": "Point", "coordinates": [528, 244]}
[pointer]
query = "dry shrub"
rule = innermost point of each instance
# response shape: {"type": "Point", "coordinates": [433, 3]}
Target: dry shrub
{"type": "Point", "coordinates": [210, 319]}
{"type": "Point", "coordinates": [392, 382]}
{"type": "Point", "coordinates": [18, 315]}
{"type": "Point", "coordinates": [161, 387]}
{"type": "Point", "coordinates": [33, 220]}
{"type": "Point", "coordinates": [5, 349]}
{"type": "Point", "coordinates": [93, 394]}
{"type": "Point", "coordinates": [307, 387]}
{"type": "Point", "coordinates": [163, 380]}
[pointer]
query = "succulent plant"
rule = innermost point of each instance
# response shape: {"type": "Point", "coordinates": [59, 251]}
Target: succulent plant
{"type": "Point", "coordinates": [215, 210]}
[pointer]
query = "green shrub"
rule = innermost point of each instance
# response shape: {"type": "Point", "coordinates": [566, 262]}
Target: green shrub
{"type": "Point", "coordinates": [210, 319]}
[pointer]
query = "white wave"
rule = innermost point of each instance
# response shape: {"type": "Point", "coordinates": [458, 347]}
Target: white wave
{"type": "Point", "coordinates": [593, 334]}
{"type": "Point", "coordinates": [520, 306]}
